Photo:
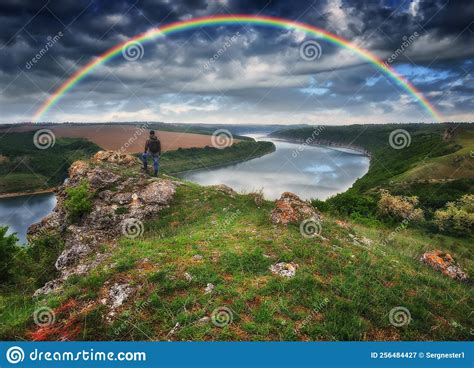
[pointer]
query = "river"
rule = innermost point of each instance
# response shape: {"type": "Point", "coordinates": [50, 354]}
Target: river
{"type": "Point", "coordinates": [18, 213]}
{"type": "Point", "coordinates": [306, 170]}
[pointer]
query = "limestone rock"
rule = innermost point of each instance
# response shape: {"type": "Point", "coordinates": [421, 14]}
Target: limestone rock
{"type": "Point", "coordinates": [284, 269]}
{"type": "Point", "coordinates": [78, 168]}
{"type": "Point", "coordinates": [158, 192]}
{"type": "Point", "coordinates": [209, 288]}
{"type": "Point", "coordinates": [122, 198]}
{"type": "Point", "coordinates": [444, 262]}
{"type": "Point", "coordinates": [100, 178]}
{"type": "Point", "coordinates": [114, 157]}
{"type": "Point", "coordinates": [291, 209]}
{"type": "Point", "coordinates": [224, 189]}
{"type": "Point", "coordinates": [117, 295]}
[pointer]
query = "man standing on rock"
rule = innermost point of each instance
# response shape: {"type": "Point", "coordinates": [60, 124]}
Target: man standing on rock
{"type": "Point", "coordinates": [153, 150]}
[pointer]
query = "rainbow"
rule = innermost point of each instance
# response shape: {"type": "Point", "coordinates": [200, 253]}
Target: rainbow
{"type": "Point", "coordinates": [223, 20]}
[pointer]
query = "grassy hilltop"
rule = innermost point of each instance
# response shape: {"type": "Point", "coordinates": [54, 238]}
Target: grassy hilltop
{"type": "Point", "coordinates": [347, 282]}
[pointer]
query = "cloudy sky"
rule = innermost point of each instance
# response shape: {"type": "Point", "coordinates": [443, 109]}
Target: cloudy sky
{"type": "Point", "coordinates": [260, 78]}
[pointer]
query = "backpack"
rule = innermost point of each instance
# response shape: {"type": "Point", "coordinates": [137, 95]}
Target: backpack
{"type": "Point", "coordinates": [154, 145]}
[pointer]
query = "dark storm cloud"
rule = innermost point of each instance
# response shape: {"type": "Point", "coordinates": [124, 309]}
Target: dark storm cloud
{"type": "Point", "coordinates": [263, 66]}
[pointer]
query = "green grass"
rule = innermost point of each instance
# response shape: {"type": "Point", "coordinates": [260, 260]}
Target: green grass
{"type": "Point", "coordinates": [361, 283]}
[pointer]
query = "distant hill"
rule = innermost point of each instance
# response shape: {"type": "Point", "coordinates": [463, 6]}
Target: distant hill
{"type": "Point", "coordinates": [407, 159]}
{"type": "Point", "coordinates": [236, 129]}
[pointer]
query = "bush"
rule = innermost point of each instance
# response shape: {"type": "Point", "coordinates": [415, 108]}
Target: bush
{"type": "Point", "coordinates": [399, 207]}
{"type": "Point", "coordinates": [8, 252]}
{"type": "Point", "coordinates": [457, 217]}
{"type": "Point", "coordinates": [345, 204]}
{"type": "Point", "coordinates": [41, 255]}
{"type": "Point", "coordinates": [320, 205]}
{"type": "Point", "coordinates": [79, 201]}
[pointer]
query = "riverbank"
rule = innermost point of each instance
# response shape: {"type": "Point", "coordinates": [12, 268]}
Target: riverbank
{"type": "Point", "coordinates": [22, 194]}
{"type": "Point", "coordinates": [221, 165]}
{"type": "Point", "coordinates": [329, 144]}
{"type": "Point", "coordinates": [29, 165]}
{"type": "Point", "coordinates": [194, 159]}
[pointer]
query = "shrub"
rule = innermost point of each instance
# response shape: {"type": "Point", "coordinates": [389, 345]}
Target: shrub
{"type": "Point", "coordinates": [41, 256]}
{"type": "Point", "coordinates": [79, 201]}
{"type": "Point", "coordinates": [258, 197]}
{"type": "Point", "coordinates": [8, 252]}
{"type": "Point", "coordinates": [320, 205]}
{"type": "Point", "coordinates": [457, 217]}
{"type": "Point", "coordinates": [345, 204]}
{"type": "Point", "coordinates": [399, 207]}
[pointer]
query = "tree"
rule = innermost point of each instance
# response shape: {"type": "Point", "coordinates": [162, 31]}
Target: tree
{"type": "Point", "coordinates": [8, 250]}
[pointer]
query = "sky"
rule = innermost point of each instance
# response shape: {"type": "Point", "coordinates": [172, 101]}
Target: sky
{"type": "Point", "coordinates": [256, 76]}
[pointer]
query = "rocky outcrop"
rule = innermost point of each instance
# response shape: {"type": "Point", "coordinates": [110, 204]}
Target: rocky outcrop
{"type": "Point", "coordinates": [444, 262]}
{"type": "Point", "coordinates": [114, 157]}
{"type": "Point", "coordinates": [291, 209]}
{"type": "Point", "coordinates": [122, 198]}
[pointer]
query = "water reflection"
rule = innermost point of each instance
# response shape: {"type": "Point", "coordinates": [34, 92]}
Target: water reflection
{"type": "Point", "coordinates": [309, 171]}
{"type": "Point", "coordinates": [18, 213]}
